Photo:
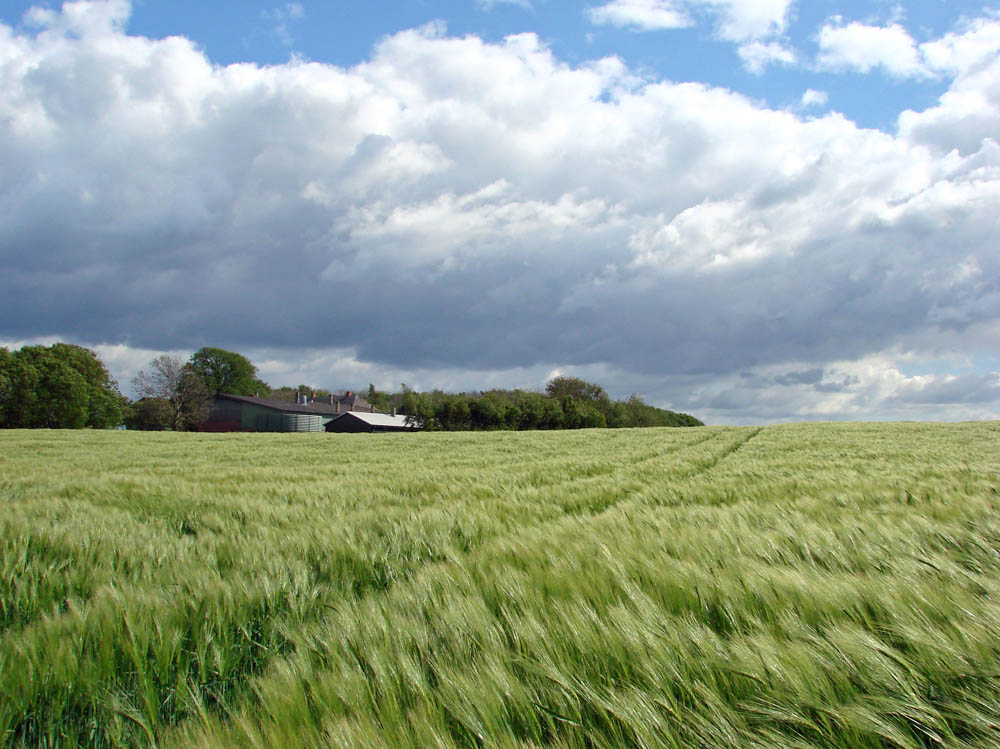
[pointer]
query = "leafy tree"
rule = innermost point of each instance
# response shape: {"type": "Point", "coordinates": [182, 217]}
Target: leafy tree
{"type": "Point", "coordinates": [452, 412]}
{"type": "Point", "coordinates": [572, 413]}
{"type": "Point", "coordinates": [105, 404]}
{"type": "Point", "coordinates": [552, 414]}
{"type": "Point", "coordinates": [381, 401]}
{"type": "Point", "coordinates": [171, 380]}
{"type": "Point", "coordinates": [149, 414]}
{"type": "Point", "coordinates": [62, 386]}
{"type": "Point", "coordinates": [487, 411]}
{"type": "Point", "coordinates": [638, 414]}
{"type": "Point", "coordinates": [6, 388]}
{"type": "Point", "coordinates": [574, 387]}
{"type": "Point", "coordinates": [417, 408]}
{"type": "Point", "coordinates": [226, 372]}
{"type": "Point", "coordinates": [47, 392]}
{"type": "Point", "coordinates": [531, 409]}
{"type": "Point", "coordinates": [592, 417]}
{"type": "Point", "coordinates": [615, 415]}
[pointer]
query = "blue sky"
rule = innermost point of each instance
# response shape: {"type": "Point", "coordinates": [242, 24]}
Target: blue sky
{"type": "Point", "coordinates": [751, 210]}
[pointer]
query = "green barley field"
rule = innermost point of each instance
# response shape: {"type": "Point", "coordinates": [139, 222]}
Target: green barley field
{"type": "Point", "coordinates": [833, 585]}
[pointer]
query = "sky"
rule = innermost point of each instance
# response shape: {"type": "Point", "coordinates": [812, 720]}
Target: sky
{"type": "Point", "coordinates": [753, 211]}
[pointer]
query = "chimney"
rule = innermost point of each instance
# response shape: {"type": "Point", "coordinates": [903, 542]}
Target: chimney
{"type": "Point", "coordinates": [348, 394]}
{"type": "Point", "coordinates": [336, 407]}
{"type": "Point", "coordinates": [371, 408]}
{"type": "Point", "coordinates": [298, 397]}
{"type": "Point", "coordinates": [393, 410]}
{"type": "Point", "coordinates": [331, 399]}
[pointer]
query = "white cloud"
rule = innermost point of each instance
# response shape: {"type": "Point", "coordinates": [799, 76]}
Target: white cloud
{"type": "Point", "coordinates": [812, 98]}
{"type": "Point", "coordinates": [758, 55]}
{"type": "Point", "coordinates": [645, 15]}
{"type": "Point", "coordinates": [740, 20]}
{"type": "Point", "coordinates": [861, 48]}
{"type": "Point", "coordinates": [488, 5]}
{"type": "Point", "coordinates": [92, 19]}
{"type": "Point", "coordinates": [459, 211]}
{"type": "Point", "coordinates": [968, 114]}
{"type": "Point", "coordinates": [961, 53]}
{"type": "Point", "coordinates": [736, 20]}
{"type": "Point", "coordinates": [283, 18]}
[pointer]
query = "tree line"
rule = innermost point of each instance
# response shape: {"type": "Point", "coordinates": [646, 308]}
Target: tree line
{"type": "Point", "coordinates": [58, 387]}
{"type": "Point", "coordinates": [66, 386]}
{"type": "Point", "coordinates": [567, 403]}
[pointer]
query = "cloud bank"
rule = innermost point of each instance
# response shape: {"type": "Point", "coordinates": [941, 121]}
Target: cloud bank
{"type": "Point", "coordinates": [463, 208]}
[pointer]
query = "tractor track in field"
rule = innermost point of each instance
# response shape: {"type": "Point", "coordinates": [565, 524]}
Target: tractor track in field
{"type": "Point", "coordinates": [714, 461]}
{"type": "Point", "coordinates": [620, 467]}
{"type": "Point", "coordinates": [536, 531]}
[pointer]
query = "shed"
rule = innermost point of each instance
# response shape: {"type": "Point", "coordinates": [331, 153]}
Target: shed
{"type": "Point", "coordinates": [362, 421]}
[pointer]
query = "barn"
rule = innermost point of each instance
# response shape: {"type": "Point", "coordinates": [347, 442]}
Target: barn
{"type": "Point", "coordinates": [362, 421]}
{"type": "Point", "coordinates": [304, 412]}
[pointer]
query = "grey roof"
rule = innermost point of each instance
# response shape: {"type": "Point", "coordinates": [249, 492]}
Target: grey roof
{"type": "Point", "coordinates": [381, 420]}
{"type": "Point", "coordinates": [347, 403]}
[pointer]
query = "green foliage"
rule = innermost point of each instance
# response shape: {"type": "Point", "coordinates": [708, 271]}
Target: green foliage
{"type": "Point", "coordinates": [62, 386]}
{"type": "Point", "coordinates": [452, 412]}
{"type": "Point", "coordinates": [417, 408]}
{"type": "Point", "coordinates": [6, 386]}
{"type": "Point", "coordinates": [176, 395]}
{"type": "Point", "coordinates": [488, 411]}
{"type": "Point", "coordinates": [227, 372]}
{"type": "Point", "coordinates": [150, 415]}
{"type": "Point", "coordinates": [801, 585]}
{"type": "Point", "coordinates": [581, 405]}
{"type": "Point", "coordinates": [573, 387]}
{"type": "Point", "coordinates": [638, 413]}
{"type": "Point", "coordinates": [381, 401]}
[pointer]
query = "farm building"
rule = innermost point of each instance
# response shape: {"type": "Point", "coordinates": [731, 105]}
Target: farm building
{"type": "Point", "coordinates": [364, 421]}
{"type": "Point", "coordinates": [303, 413]}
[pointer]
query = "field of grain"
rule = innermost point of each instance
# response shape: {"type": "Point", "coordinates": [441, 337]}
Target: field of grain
{"type": "Point", "coordinates": [830, 585]}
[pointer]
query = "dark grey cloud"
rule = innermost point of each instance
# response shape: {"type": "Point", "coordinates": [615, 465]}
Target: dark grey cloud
{"type": "Point", "coordinates": [805, 377]}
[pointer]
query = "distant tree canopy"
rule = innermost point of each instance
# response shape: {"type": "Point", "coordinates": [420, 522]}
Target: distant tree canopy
{"type": "Point", "coordinates": [568, 403]}
{"type": "Point", "coordinates": [150, 415]}
{"type": "Point", "coordinates": [61, 386]}
{"type": "Point", "coordinates": [381, 401]}
{"type": "Point", "coordinates": [6, 385]}
{"type": "Point", "coordinates": [226, 372]}
{"type": "Point", "coordinates": [574, 387]}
